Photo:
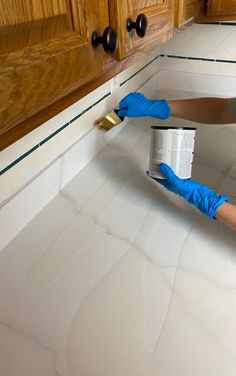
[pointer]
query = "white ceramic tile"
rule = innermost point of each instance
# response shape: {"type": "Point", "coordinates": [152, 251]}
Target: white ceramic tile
{"type": "Point", "coordinates": [124, 75]}
{"type": "Point", "coordinates": [6, 157]}
{"type": "Point", "coordinates": [212, 41]}
{"type": "Point", "coordinates": [228, 43]}
{"type": "Point", "coordinates": [138, 80]}
{"type": "Point", "coordinates": [227, 69]}
{"type": "Point", "coordinates": [174, 80]}
{"type": "Point", "coordinates": [48, 152]}
{"type": "Point", "coordinates": [23, 172]}
{"type": "Point", "coordinates": [217, 52]}
{"type": "Point", "coordinates": [214, 152]}
{"type": "Point", "coordinates": [203, 41]}
{"type": "Point", "coordinates": [169, 63]}
{"type": "Point", "coordinates": [67, 136]}
{"type": "Point", "coordinates": [80, 154]}
{"type": "Point", "coordinates": [5, 188]}
{"type": "Point", "coordinates": [219, 32]}
{"type": "Point", "coordinates": [24, 206]}
{"type": "Point", "coordinates": [188, 49]}
{"type": "Point", "coordinates": [188, 65]}
{"type": "Point", "coordinates": [181, 38]}
{"type": "Point", "coordinates": [19, 147]}
{"type": "Point", "coordinates": [199, 83]}
{"type": "Point", "coordinates": [29, 356]}
{"type": "Point", "coordinates": [39, 134]}
{"type": "Point", "coordinates": [208, 67]}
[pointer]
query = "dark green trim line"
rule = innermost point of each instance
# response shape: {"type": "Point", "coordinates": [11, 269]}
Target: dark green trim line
{"type": "Point", "coordinates": [176, 57]}
{"type": "Point", "coordinates": [18, 159]}
{"type": "Point", "coordinates": [140, 70]}
{"type": "Point", "coordinates": [28, 152]}
{"type": "Point", "coordinates": [199, 59]}
{"type": "Point", "coordinates": [220, 23]}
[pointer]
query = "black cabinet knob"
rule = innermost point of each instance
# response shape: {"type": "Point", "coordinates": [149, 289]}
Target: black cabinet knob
{"type": "Point", "coordinates": [140, 25]}
{"type": "Point", "coordinates": [109, 40]}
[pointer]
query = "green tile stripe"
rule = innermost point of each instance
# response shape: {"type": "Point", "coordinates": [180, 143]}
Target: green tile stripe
{"type": "Point", "coordinates": [140, 70]}
{"type": "Point", "coordinates": [199, 59]}
{"type": "Point", "coordinates": [28, 152]}
{"type": "Point", "coordinates": [222, 23]}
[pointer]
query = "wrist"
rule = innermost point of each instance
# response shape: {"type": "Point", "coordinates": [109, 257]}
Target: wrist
{"type": "Point", "coordinates": [175, 108]}
{"type": "Point", "coordinates": [160, 109]}
{"type": "Point", "coordinates": [220, 200]}
{"type": "Point", "coordinates": [207, 201]}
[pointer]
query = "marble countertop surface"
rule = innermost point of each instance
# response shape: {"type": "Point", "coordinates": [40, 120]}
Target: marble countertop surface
{"type": "Point", "coordinates": [117, 276]}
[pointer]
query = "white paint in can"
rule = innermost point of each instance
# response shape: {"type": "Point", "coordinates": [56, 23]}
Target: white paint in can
{"type": "Point", "coordinates": [173, 146]}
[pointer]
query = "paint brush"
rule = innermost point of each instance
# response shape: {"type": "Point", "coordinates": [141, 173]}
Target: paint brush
{"type": "Point", "coordinates": [110, 120]}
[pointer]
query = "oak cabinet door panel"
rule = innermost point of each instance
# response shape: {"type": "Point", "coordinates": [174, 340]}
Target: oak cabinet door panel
{"type": "Point", "coordinates": [221, 7]}
{"type": "Point", "coordinates": [159, 14]}
{"type": "Point", "coordinates": [46, 53]}
{"type": "Point", "coordinates": [185, 11]}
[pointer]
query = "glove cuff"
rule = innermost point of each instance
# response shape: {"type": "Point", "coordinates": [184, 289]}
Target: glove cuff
{"type": "Point", "coordinates": [160, 109]}
{"type": "Point", "coordinates": [216, 205]}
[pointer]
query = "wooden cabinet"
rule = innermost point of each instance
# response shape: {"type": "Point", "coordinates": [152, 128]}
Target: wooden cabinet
{"type": "Point", "coordinates": [30, 22]}
{"type": "Point", "coordinates": [221, 8]}
{"type": "Point", "coordinates": [47, 60]}
{"type": "Point", "coordinates": [45, 53]}
{"type": "Point", "coordinates": [217, 10]}
{"type": "Point", "coordinates": [159, 15]}
{"type": "Point", "coordinates": [185, 11]}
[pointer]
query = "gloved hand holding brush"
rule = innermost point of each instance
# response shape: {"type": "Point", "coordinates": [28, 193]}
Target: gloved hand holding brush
{"type": "Point", "coordinates": [137, 105]}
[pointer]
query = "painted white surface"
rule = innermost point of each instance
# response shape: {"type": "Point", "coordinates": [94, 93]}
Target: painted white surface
{"type": "Point", "coordinates": [116, 276]}
{"type": "Point", "coordinates": [204, 41]}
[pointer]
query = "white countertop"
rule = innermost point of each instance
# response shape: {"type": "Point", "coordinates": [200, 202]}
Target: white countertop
{"type": "Point", "coordinates": [118, 277]}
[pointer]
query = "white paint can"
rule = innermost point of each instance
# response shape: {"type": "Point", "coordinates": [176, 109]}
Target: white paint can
{"type": "Point", "coordinates": [173, 146]}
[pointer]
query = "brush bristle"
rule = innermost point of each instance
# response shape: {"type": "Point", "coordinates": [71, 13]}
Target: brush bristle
{"type": "Point", "coordinates": [109, 121]}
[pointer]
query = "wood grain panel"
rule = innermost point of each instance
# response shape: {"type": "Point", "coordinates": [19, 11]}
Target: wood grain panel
{"type": "Point", "coordinates": [40, 74]}
{"type": "Point", "coordinates": [142, 4]}
{"type": "Point", "coordinates": [191, 9]}
{"type": "Point", "coordinates": [186, 10]}
{"type": "Point", "coordinates": [160, 14]}
{"type": "Point", "coordinates": [24, 23]}
{"type": "Point", "coordinates": [221, 7]}
{"type": "Point", "coordinates": [17, 11]}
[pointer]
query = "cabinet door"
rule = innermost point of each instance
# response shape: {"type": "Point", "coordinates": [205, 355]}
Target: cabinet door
{"type": "Point", "coordinates": [45, 53]}
{"type": "Point", "coordinates": [185, 11]}
{"type": "Point", "coordinates": [160, 17]}
{"type": "Point", "coordinates": [221, 7]}
{"type": "Point", "coordinates": [24, 23]}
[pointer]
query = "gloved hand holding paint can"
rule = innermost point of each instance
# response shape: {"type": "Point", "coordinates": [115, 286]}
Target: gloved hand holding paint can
{"type": "Point", "coordinates": [173, 146]}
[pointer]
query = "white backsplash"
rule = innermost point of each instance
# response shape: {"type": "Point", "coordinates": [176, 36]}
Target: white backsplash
{"type": "Point", "coordinates": [198, 48]}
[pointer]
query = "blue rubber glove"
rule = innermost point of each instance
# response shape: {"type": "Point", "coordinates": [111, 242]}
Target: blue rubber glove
{"type": "Point", "coordinates": [206, 200]}
{"type": "Point", "coordinates": [137, 105]}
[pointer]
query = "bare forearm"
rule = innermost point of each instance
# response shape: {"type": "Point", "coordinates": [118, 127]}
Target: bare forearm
{"type": "Point", "coordinates": [205, 110]}
{"type": "Point", "coordinates": [227, 214]}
